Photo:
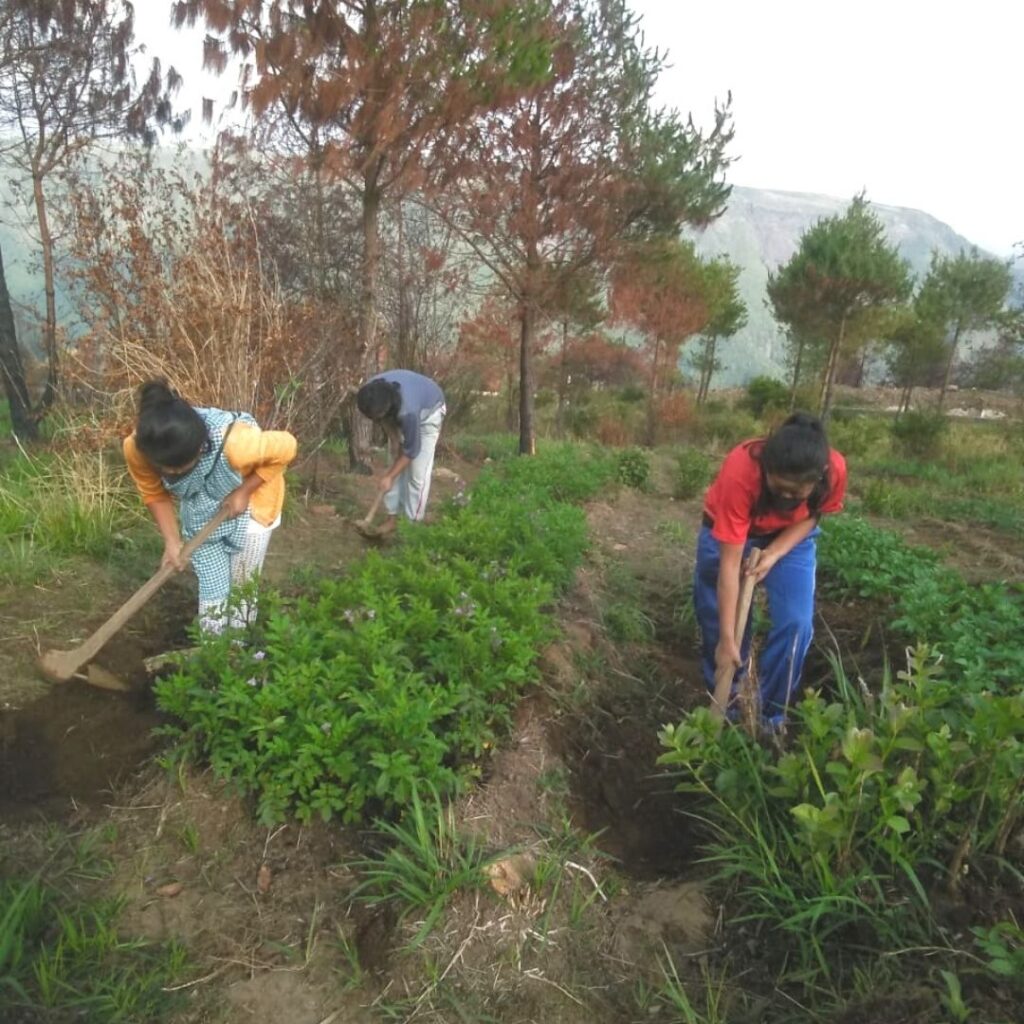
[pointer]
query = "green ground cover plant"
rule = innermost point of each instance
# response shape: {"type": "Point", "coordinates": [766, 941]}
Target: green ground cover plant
{"type": "Point", "coordinates": [404, 672]}
{"type": "Point", "coordinates": [62, 959]}
{"type": "Point", "coordinates": [977, 629]}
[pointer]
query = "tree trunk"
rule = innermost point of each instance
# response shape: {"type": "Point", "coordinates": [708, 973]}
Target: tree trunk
{"type": "Point", "coordinates": [862, 366]}
{"type": "Point", "coordinates": [797, 367]}
{"type": "Point", "coordinates": [23, 425]}
{"type": "Point", "coordinates": [511, 419]}
{"type": "Point", "coordinates": [652, 396]}
{"type": "Point", "coordinates": [830, 372]}
{"type": "Point", "coordinates": [360, 429]}
{"type": "Point", "coordinates": [319, 233]}
{"type": "Point", "coordinates": [563, 383]}
{"type": "Point", "coordinates": [405, 355]}
{"type": "Point", "coordinates": [948, 375]}
{"type": "Point", "coordinates": [49, 289]}
{"type": "Point", "coordinates": [707, 370]}
{"type": "Point", "coordinates": [527, 315]}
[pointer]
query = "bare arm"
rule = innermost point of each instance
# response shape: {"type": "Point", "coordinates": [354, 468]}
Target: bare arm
{"type": "Point", "coordinates": [401, 460]}
{"type": "Point", "coordinates": [731, 557]}
{"type": "Point", "coordinates": [166, 520]}
{"type": "Point", "coordinates": [783, 544]}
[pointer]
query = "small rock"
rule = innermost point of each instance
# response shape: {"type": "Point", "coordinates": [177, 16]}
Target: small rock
{"type": "Point", "coordinates": [511, 876]}
{"type": "Point", "coordinates": [170, 890]}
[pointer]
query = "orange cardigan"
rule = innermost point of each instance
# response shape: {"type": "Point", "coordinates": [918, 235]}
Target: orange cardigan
{"type": "Point", "coordinates": [248, 450]}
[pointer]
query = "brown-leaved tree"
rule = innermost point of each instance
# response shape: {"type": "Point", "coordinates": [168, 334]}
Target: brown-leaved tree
{"type": "Point", "coordinates": [578, 167]}
{"type": "Point", "coordinates": [376, 90]}
{"type": "Point", "coordinates": [67, 80]}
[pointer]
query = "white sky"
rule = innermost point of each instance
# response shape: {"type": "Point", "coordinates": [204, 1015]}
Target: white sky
{"type": "Point", "coordinates": [920, 103]}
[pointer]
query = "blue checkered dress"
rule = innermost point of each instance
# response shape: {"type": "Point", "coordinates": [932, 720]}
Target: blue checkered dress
{"type": "Point", "coordinates": [200, 493]}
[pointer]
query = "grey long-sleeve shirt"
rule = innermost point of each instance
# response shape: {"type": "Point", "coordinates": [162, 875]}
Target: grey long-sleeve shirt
{"type": "Point", "coordinates": [420, 396]}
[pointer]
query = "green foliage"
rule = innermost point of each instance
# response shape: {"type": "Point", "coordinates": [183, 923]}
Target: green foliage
{"type": "Point", "coordinates": [632, 393]}
{"type": "Point", "coordinates": [836, 843]}
{"type": "Point", "coordinates": [976, 628]}
{"type": "Point", "coordinates": [963, 293]}
{"type": "Point", "coordinates": [633, 467]}
{"type": "Point", "coordinates": [723, 427]}
{"type": "Point", "coordinates": [404, 672]}
{"type": "Point", "coordinates": [915, 347]}
{"type": "Point", "coordinates": [764, 393]}
{"type": "Point", "coordinates": [427, 861]}
{"type": "Point", "coordinates": [693, 473]}
{"type": "Point", "coordinates": [1003, 944]}
{"type": "Point", "coordinates": [66, 960]}
{"type": "Point", "coordinates": [56, 505]}
{"type": "Point", "coordinates": [842, 276]}
{"type": "Point", "coordinates": [920, 433]}
{"type": "Point", "coordinates": [477, 448]}
{"type": "Point", "coordinates": [974, 481]}
{"type": "Point", "coordinates": [672, 996]}
{"type": "Point", "coordinates": [858, 436]}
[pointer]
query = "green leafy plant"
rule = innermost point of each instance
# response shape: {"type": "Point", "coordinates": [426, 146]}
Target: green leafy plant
{"type": "Point", "coordinates": [693, 474]}
{"type": "Point", "coordinates": [1003, 944]}
{"type": "Point", "coordinates": [428, 860]}
{"type": "Point", "coordinates": [837, 842]}
{"type": "Point", "coordinates": [920, 433]}
{"type": "Point", "coordinates": [633, 467]}
{"type": "Point", "coordinates": [976, 628]}
{"type": "Point", "coordinates": [66, 960]}
{"type": "Point", "coordinates": [402, 673]}
{"type": "Point", "coordinates": [764, 393]}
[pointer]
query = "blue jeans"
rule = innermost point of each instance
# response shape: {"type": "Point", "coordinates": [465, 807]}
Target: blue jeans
{"type": "Point", "coordinates": [790, 589]}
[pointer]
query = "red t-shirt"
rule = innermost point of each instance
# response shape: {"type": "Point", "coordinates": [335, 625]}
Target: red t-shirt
{"type": "Point", "coordinates": [730, 500]}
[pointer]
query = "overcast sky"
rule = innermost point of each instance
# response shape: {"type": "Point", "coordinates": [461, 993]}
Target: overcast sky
{"type": "Point", "coordinates": [919, 103]}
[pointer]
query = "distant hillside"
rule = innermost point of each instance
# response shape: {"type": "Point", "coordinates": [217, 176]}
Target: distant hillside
{"type": "Point", "coordinates": [761, 230]}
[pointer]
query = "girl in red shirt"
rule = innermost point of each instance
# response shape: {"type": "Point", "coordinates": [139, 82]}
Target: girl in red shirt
{"type": "Point", "coordinates": [769, 493]}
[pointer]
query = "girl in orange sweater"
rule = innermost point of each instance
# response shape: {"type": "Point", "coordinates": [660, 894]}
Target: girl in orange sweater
{"type": "Point", "coordinates": [204, 458]}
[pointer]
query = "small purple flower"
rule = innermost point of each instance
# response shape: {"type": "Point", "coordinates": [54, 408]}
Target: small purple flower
{"type": "Point", "coordinates": [259, 655]}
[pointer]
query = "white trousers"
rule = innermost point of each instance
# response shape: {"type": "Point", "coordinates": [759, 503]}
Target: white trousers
{"type": "Point", "coordinates": [412, 488]}
{"type": "Point", "coordinates": [216, 616]}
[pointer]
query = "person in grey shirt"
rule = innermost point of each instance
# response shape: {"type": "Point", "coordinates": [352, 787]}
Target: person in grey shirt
{"type": "Point", "coordinates": [411, 409]}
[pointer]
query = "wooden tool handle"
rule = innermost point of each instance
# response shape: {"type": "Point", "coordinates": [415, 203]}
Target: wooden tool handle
{"type": "Point", "coordinates": [88, 650]}
{"type": "Point", "coordinates": [724, 676]}
{"type": "Point", "coordinates": [373, 509]}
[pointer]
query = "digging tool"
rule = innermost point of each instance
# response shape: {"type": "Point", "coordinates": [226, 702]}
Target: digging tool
{"type": "Point", "coordinates": [363, 525]}
{"type": "Point", "coordinates": [724, 676]}
{"type": "Point", "coordinates": [60, 666]}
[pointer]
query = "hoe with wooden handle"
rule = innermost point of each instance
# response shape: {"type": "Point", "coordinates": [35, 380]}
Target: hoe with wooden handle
{"type": "Point", "coordinates": [724, 676]}
{"type": "Point", "coordinates": [363, 525]}
{"type": "Point", "coordinates": [60, 666]}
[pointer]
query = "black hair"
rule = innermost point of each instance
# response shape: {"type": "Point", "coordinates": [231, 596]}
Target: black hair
{"type": "Point", "coordinates": [378, 399]}
{"type": "Point", "coordinates": [797, 450]}
{"type": "Point", "coordinates": [169, 432]}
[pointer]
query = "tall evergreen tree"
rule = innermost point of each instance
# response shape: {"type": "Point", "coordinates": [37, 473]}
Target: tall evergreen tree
{"type": "Point", "coordinates": [962, 293]}
{"type": "Point", "coordinates": [842, 273]}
